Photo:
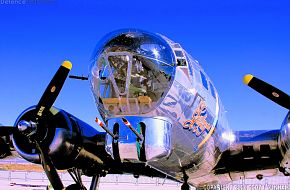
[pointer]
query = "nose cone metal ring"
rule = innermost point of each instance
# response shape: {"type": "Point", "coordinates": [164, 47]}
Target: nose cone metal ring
{"type": "Point", "coordinates": [26, 127]}
{"type": "Point", "coordinates": [23, 125]}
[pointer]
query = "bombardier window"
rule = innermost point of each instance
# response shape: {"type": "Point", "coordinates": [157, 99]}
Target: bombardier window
{"type": "Point", "coordinates": [204, 81]}
{"type": "Point", "coordinates": [133, 84]}
{"type": "Point", "coordinates": [132, 73]}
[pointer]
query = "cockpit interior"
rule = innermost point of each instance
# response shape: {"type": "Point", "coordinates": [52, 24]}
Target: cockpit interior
{"type": "Point", "coordinates": [131, 73]}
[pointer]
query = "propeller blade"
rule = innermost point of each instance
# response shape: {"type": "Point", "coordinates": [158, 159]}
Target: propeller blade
{"type": "Point", "coordinates": [49, 169]}
{"type": "Point", "coordinates": [268, 91]}
{"type": "Point", "coordinates": [6, 130]}
{"type": "Point", "coordinates": [50, 94]}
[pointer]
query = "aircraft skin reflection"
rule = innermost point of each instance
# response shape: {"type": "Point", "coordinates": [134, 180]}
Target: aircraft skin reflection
{"type": "Point", "coordinates": [188, 116]}
{"type": "Point", "coordinates": [198, 132]}
{"type": "Point", "coordinates": [162, 118]}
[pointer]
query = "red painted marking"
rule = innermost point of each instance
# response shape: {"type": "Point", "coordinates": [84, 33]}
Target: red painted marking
{"type": "Point", "coordinates": [127, 123]}
{"type": "Point", "coordinates": [99, 122]}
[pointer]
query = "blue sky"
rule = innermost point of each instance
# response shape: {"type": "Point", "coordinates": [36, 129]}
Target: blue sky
{"type": "Point", "coordinates": [229, 38]}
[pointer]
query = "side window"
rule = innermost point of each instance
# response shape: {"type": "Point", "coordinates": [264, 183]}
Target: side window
{"type": "Point", "coordinates": [179, 53]}
{"type": "Point", "coordinates": [181, 61]}
{"type": "Point", "coordinates": [204, 81]}
{"type": "Point", "coordinates": [212, 89]}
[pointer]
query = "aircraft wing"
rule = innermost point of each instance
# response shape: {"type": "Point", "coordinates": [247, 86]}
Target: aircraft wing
{"type": "Point", "coordinates": [256, 150]}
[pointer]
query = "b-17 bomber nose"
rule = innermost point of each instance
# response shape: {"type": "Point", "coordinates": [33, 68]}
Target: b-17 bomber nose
{"type": "Point", "coordinates": [131, 72]}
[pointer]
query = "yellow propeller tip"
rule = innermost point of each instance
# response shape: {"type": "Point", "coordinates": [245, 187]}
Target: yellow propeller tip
{"type": "Point", "coordinates": [67, 64]}
{"type": "Point", "coordinates": [247, 78]}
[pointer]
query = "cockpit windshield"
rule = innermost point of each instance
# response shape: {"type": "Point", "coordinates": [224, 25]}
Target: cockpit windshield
{"type": "Point", "coordinates": [131, 72]}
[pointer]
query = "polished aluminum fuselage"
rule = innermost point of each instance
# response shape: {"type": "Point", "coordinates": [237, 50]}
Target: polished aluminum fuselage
{"type": "Point", "coordinates": [163, 94]}
{"type": "Point", "coordinates": [183, 131]}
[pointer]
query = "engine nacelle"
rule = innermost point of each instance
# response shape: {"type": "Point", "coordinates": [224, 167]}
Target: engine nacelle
{"type": "Point", "coordinates": [284, 145]}
{"type": "Point", "coordinates": [69, 141]}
